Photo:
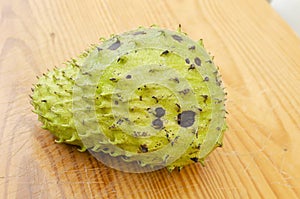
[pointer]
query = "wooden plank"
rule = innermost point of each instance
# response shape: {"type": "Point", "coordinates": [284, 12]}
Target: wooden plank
{"type": "Point", "coordinates": [259, 59]}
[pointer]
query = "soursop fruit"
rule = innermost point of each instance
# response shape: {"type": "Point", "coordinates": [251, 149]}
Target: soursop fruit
{"type": "Point", "coordinates": [149, 96]}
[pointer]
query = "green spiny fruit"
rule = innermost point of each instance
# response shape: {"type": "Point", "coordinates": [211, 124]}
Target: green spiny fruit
{"type": "Point", "coordinates": [150, 96]}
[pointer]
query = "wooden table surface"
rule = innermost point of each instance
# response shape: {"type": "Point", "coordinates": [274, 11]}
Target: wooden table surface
{"type": "Point", "coordinates": [259, 59]}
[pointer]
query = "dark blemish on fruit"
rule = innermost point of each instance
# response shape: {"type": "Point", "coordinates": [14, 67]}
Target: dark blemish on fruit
{"type": "Point", "coordinates": [128, 77]}
{"type": "Point", "coordinates": [175, 80]}
{"type": "Point", "coordinates": [174, 140]}
{"type": "Point", "coordinates": [186, 118]}
{"type": "Point", "coordinates": [192, 66]}
{"type": "Point", "coordinates": [195, 159]}
{"type": "Point", "coordinates": [206, 79]}
{"type": "Point", "coordinates": [43, 100]}
{"type": "Point", "coordinates": [177, 38]}
{"type": "Point", "coordinates": [153, 97]}
{"type": "Point", "coordinates": [166, 158]}
{"type": "Point", "coordinates": [120, 121]}
{"type": "Point", "coordinates": [185, 91]}
{"type": "Point", "coordinates": [179, 107]}
{"type": "Point", "coordinates": [209, 61]}
{"type": "Point", "coordinates": [99, 49]}
{"type": "Point", "coordinates": [144, 148]}
{"type": "Point", "coordinates": [200, 109]}
{"type": "Point", "coordinates": [192, 48]}
{"type": "Point", "coordinates": [197, 61]}
{"type": "Point", "coordinates": [153, 70]}
{"type": "Point", "coordinates": [205, 98]}
{"type": "Point", "coordinates": [125, 157]}
{"type": "Point", "coordinates": [105, 149]}
{"type": "Point", "coordinates": [86, 73]}
{"type": "Point", "coordinates": [187, 60]}
{"type": "Point", "coordinates": [218, 128]}
{"type": "Point", "coordinates": [112, 126]}
{"type": "Point", "coordinates": [218, 101]}
{"type": "Point", "coordinates": [164, 53]}
{"type": "Point", "coordinates": [218, 81]}
{"type": "Point", "coordinates": [141, 98]}
{"type": "Point", "coordinates": [115, 45]}
{"type": "Point", "coordinates": [113, 79]}
{"type": "Point", "coordinates": [162, 32]}
{"type": "Point", "coordinates": [122, 60]}
{"type": "Point", "coordinates": [157, 123]}
{"type": "Point", "coordinates": [139, 33]}
{"type": "Point", "coordinates": [116, 102]}
{"type": "Point", "coordinates": [159, 112]}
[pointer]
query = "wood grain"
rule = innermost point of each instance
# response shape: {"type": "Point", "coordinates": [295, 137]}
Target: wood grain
{"type": "Point", "coordinates": [259, 58]}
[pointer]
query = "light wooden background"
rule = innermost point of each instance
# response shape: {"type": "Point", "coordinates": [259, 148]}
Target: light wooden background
{"type": "Point", "coordinates": [259, 58]}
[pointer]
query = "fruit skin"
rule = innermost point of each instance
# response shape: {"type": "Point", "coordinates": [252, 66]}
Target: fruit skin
{"type": "Point", "coordinates": [53, 97]}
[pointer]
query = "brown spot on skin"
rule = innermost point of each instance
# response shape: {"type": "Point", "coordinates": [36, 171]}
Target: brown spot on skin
{"type": "Point", "coordinates": [120, 121]}
{"type": "Point", "coordinates": [192, 48]}
{"type": "Point", "coordinates": [144, 148]}
{"type": "Point", "coordinates": [115, 45]}
{"type": "Point", "coordinates": [197, 61]}
{"type": "Point", "coordinates": [187, 60]}
{"type": "Point", "coordinates": [175, 80]}
{"type": "Point", "coordinates": [139, 33]}
{"type": "Point", "coordinates": [141, 98]}
{"type": "Point", "coordinates": [159, 112]}
{"type": "Point", "coordinates": [157, 123]}
{"type": "Point", "coordinates": [113, 79]}
{"type": "Point", "coordinates": [192, 66]}
{"type": "Point", "coordinates": [153, 97]}
{"type": "Point", "coordinates": [218, 101]}
{"type": "Point", "coordinates": [43, 100]}
{"type": "Point", "coordinates": [122, 60]}
{"type": "Point", "coordinates": [185, 91]}
{"type": "Point", "coordinates": [186, 118]}
{"type": "Point", "coordinates": [195, 159]}
{"type": "Point", "coordinates": [99, 49]}
{"type": "Point", "coordinates": [162, 32]}
{"type": "Point", "coordinates": [179, 107]}
{"type": "Point", "coordinates": [174, 140]}
{"type": "Point", "coordinates": [206, 79]}
{"type": "Point", "coordinates": [128, 77]}
{"type": "Point", "coordinates": [205, 98]}
{"type": "Point", "coordinates": [177, 38]}
{"type": "Point", "coordinates": [164, 53]}
{"type": "Point", "coordinates": [116, 102]}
